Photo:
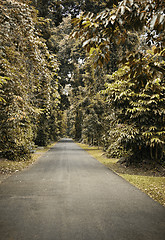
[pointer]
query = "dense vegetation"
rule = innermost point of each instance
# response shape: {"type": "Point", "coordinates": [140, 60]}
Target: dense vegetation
{"type": "Point", "coordinates": [124, 107]}
{"type": "Point", "coordinates": [100, 64]}
{"type": "Point", "coordinates": [29, 106]}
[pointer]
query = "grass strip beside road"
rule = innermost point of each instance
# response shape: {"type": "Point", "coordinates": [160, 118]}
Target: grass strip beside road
{"type": "Point", "coordinates": [8, 167]}
{"type": "Point", "coordinates": [154, 186]}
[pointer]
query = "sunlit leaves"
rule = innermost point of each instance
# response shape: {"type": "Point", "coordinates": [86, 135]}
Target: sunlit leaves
{"type": "Point", "coordinates": [112, 25]}
{"type": "Point", "coordinates": [137, 94]}
{"type": "Point", "coordinates": [27, 71]}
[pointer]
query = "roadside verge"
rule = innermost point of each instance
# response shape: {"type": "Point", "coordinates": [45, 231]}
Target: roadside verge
{"type": "Point", "coordinates": [150, 182]}
{"type": "Point", "coordinates": [9, 167]}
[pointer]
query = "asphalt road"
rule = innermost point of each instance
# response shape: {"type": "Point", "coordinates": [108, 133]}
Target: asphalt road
{"type": "Point", "coordinates": [68, 195]}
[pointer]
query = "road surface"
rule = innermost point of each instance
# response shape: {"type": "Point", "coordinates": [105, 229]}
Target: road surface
{"type": "Point", "coordinates": [68, 195]}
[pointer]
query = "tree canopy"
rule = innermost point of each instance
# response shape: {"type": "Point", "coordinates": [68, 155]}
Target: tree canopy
{"type": "Point", "coordinates": [135, 91]}
{"type": "Point", "coordinates": [100, 64]}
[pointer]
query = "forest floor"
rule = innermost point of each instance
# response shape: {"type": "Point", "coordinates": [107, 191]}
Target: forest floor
{"type": "Point", "coordinates": [147, 178]}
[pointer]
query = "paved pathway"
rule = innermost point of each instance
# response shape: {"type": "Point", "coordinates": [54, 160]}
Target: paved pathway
{"type": "Point", "coordinates": [68, 195]}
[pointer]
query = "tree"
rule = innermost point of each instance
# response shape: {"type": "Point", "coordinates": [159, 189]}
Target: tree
{"type": "Point", "coordinates": [135, 90]}
{"type": "Point", "coordinates": [57, 10]}
{"type": "Point", "coordinates": [113, 26]}
{"type": "Point", "coordinates": [139, 103]}
{"type": "Point", "coordinates": [16, 132]}
{"type": "Point", "coordinates": [29, 70]}
{"type": "Point", "coordinates": [86, 105]}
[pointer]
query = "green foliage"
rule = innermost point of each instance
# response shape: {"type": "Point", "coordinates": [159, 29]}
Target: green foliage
{"type": "Point", "coordinates": [57, 10]}
{"type": "Point", "coordinates": [30, 91]}
{"type": "Point", "coordinates": [113, 25]}
{"type": "Point", "coordinates": [133, 121]}
{"type": "Point", "coordinates": [136, 93]}
{"type": "Point", "coordinates": [84, 98]}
